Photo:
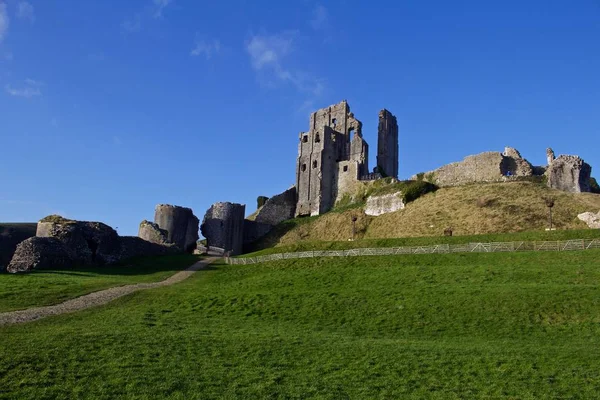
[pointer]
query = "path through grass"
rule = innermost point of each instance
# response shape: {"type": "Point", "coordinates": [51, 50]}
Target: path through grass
{"type": "Point", "coordinates": [46, 287]}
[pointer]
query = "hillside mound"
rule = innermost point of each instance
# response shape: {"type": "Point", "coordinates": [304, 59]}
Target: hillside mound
{"type": "Point", "coordinates": [467, 210]}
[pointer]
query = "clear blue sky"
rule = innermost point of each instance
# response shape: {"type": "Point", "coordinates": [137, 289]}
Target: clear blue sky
{"type": "Point", "coordinates": [110, 107]}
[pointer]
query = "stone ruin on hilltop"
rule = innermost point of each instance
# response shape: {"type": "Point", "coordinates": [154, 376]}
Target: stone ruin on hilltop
{"type": "Point", "coordinates": [567, 173]}
{"type": "Point", "coordinates": [332, 158]}
{"type": "Point", "coordinates": [333, 155]}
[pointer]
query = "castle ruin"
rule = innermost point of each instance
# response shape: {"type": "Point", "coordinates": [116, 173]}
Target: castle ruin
{"type": "Point", "coordinates": [333, 154]}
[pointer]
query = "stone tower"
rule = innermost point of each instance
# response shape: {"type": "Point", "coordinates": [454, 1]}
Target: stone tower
{"type": "Point", "coordinates": [333, 145]}
{"type": "Point", "coordinates": [387, 144]}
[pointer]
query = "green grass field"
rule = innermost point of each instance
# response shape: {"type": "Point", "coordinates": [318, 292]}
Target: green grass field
{"type": "Point", "coordinates": [513, 325]}
{"type": "Point", "coordinates": [46, 287]}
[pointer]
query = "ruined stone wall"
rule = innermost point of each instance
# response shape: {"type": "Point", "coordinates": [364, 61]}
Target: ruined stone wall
{"type": "Point", "coordinates": [10, 236]}
{"type": "Point", "coordinates": [334, 136]}
{"type": "Point", "coordinates": [180, 222]}
{"type": "Point", "coordinates": [223, 226]}
{"type": "Point", "coordinates": [347, 179]}
{"type": "Point", "coordinates": [278, 208]}
{"type": "Point", "coordinates": [62, 243]}
{"type": "Point", "coordinates": [569, 173]}
{"type": "Point", "coordinates": [485, 167]}
{"type": "Point", "coordinates": [359, 152]}
{"type": "Point", "coordinates": [387, 144]}
{"type": "Point", "coordinates": [255, 230]}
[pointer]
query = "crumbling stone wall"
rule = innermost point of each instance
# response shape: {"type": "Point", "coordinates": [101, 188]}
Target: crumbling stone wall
{"type": "Point", "coordinates": [11, 234]}
{"type": "Point", "coordinates": [278, 208]}
{"type": "Point", "coordinates": [490, 166]}
{"type": "Point", "coordinates": [569, 173]}
{"type": "Point", "coordinates": [223, 226]}
{"type": "Point", "coordinates": [180, 223]}
{"type": "Point", "coordinates": [347, 179]}
{"type": "Point", "coordinates": [387, 144]}
{"type": "Point", "coordinates": [335, 135]}
{"type": "Point", "coordinates": [151, 232]}
{"type": "Point", "coordinates": [255, 230]}
{"type": "Point", "coordinates": [63, 243]}
{"type": "Point", "coordinates": [90, 243]}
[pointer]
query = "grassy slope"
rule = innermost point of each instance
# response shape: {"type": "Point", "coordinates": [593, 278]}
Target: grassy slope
{"type": "Point", "coordinates": [471, 326]}
{"type": "Point", "coordinates": [45, 287]}
{"type": "Point", "coordinates": [469, 210]}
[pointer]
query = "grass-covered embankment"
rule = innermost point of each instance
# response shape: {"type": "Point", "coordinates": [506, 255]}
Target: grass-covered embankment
{"type": "Point", "coordinates": [476, 209]}
{"type": "Point", "coordinates": [516, 325]}
{"type": "Point", "coordinates": [46, 287]}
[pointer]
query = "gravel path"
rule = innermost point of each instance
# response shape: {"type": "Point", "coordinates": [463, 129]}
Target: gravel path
{"type": "Point", "coordinates": [96, 298]}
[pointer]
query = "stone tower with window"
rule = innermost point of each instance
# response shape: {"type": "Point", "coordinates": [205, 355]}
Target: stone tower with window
{"type": "Point", "coordinates": [330, 153]}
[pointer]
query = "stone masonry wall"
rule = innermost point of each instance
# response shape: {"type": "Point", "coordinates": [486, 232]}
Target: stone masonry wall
{"type": "Point", "coordinates": [223, 226]}
{"type": "Point", "coordinates": [180, 222]}
{"type": "Point", "coordinates": [485, 167]}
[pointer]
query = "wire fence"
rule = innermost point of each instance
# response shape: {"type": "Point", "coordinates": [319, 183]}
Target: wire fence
{"type": "Point", "coordinates": [555, 245]}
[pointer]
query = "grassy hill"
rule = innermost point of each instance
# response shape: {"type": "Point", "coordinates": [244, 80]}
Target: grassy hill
{"type": "Point", "coordinates": [468, 210]}
{"type": "Point", "coordinates": [501, 325]}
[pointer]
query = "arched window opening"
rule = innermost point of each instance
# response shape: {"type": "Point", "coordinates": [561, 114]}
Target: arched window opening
{"type": "Point", "coordinates": [315, 164]}
{"type": "Point", "coordinates": [317, 138]}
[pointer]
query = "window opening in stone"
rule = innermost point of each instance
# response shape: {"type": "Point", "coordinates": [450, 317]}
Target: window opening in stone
{"type": "Point", "coordinates": [334, 122]}
{"type": "Point", "coordinates": [303, 167]}
{"type": "Point", "coordinates": [317, 138]}
{"type": "Point", "coordinates": [350, 131]}
{"type": "Point", "coordinates": [305, 138]}
{"type": "Point", "coordinates": [315, 164]}
{"type": "Point", "coordinates": [345, 168]}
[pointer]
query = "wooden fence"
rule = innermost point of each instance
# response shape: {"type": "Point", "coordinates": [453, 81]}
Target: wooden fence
{"type": "Point", "coordinates": [555, 245]}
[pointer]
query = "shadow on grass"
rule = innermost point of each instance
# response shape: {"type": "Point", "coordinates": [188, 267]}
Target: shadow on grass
{"type": "Point", "coordinates": [134, 266]}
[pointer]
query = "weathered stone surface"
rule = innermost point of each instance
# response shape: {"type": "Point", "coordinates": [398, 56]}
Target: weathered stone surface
{"type": "Point", "coordinates": [278, 208]}
{"type": "Point", "coordinates": [387, 144]}
{"type": "Point", "coordinates": [180, 223]}
{"type": "Point", "coordinates": [88, 242]}
{"type": "Point", "coordinates": [569, 173]}
{"type": "Point", "coordinates": [387, 203]}
{"type": "Point", "coordinates": [40, 253]}
{"type": "Point", "coordinates": [11, 234]}
{"type": "Point", "coordinates": [515, 165]}
{"type": "Point", "coordinates": [484, 167]}
{"type": "Point", "coordinates": [592, 220]}
{"type": "Point", "coordinates": [550, 155]}
{"type": "Point", "coordinates": [152, 233]}
{"type": "Point", "coordinates": [133, 246]}
{"type": "Point", "coordinates": [255, 230]}
{"type": "Point", "coordinates": [334, 135]}
{"type": "Point", "coordinates": [223, 226]}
